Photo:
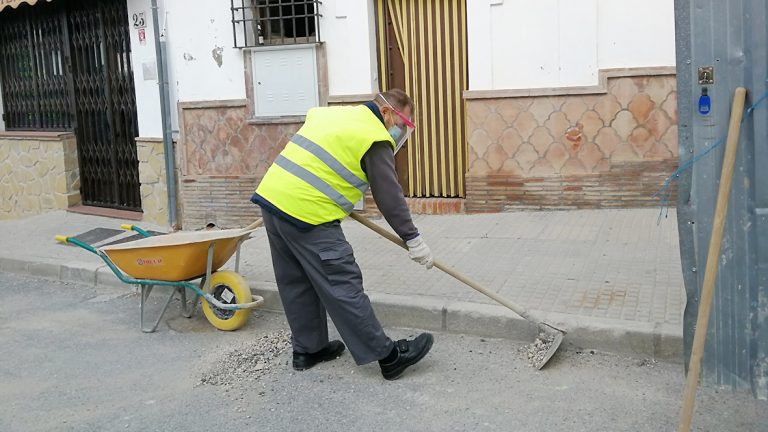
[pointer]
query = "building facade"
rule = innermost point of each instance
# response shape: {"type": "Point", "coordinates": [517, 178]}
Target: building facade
{"type": "Point", "coordinates": [520, 104]}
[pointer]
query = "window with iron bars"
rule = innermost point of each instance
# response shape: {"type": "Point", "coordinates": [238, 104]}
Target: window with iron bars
{"type": "Point", "coordinates": [258, 23]}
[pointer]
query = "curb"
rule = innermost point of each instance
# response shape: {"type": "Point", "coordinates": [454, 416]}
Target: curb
{"type": "Point", "coordinates": [646, 340]}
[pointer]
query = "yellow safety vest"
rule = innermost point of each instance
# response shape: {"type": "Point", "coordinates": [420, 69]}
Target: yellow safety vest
{"type": "Point", "coordinates": [317, 178]}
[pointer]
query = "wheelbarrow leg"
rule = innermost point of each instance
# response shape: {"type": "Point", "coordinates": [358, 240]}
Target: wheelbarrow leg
{"type": "Point", "coordinates": [145, 291]}
{"type": "Point", "coordinates": [188, 310]}
{"type": "Point", "coordinates": [203, 282]}
{"type": "Point", "coordinates": [208, 266]}
{"type": "Point", "coordinates": [237, 257]}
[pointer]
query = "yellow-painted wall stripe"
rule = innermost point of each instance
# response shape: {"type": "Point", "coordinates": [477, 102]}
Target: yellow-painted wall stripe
{"type": "Point", "coordinates": [428, 95]}
{"type": "Point", "coordinates": [463, 41]}
{"type": "Point", "coordinates": [441, 108]}
{"type": "Point", "coordinates": [450, 50]}
{"type": "Point", "coordinates": [383, 58]}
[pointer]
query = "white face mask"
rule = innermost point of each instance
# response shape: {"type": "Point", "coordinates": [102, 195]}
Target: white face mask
{"type": "Point", "coordinates": [395, 132]}
{"type": "Point", "coordinates": [400, 135]}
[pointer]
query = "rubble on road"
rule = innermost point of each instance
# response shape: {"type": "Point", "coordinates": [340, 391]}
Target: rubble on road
{"type": "Point", "coordinates": [247, 361]}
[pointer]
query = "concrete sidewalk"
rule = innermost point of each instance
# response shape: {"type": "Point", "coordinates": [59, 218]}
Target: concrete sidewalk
{"type": "Point", "coordinates": [610, 278]}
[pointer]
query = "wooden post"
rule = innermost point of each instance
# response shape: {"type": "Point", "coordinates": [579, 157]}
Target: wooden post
{"type": "Point", "coordinates": [710, 275]}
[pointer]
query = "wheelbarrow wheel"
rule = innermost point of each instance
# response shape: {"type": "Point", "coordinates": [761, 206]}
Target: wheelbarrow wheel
{"type": "Point", "coordinates": [227, 287]}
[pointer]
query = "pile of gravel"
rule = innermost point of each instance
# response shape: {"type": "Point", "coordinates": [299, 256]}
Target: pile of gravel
{"type": "Point", "coordinates": [247, 361]}
{"type": "Point", "coordinates": [649, 363]}
{"type": "Point", "coordinates": [538, 349]}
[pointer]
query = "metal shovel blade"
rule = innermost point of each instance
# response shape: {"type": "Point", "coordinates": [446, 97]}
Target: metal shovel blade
{"type": "Point", "coordinates": [546, 345]}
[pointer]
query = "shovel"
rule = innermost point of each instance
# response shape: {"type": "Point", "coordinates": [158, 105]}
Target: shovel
{"type": "Point", "coordinates": [550, 337]}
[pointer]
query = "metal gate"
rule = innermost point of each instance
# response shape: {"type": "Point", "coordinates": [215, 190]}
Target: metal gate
{"type": "Point", "coordinates": [105, 103]}
{"type": "Point", "coordinates": [34, 81]}
{"type": "Point", "coordinates": [721, 45]}
{"type": "Point", "coordinates": [66, 66]}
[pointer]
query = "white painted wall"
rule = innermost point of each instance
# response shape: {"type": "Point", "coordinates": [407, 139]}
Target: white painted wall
{"type": "Point", "coordinates": [196, 36]}
{"type": "Point", "coordinates": [512, 44]}
{"type": "Point", "coordinates": [143, 60]}
{"type": "Point", "coordinates": [516, 44]}
{"type": "Point", "coordinates": [194, 33]}
{"type": "Point", "coordinates": [636, 32]}
{"type": "Point", "coordinates": [348, 28]}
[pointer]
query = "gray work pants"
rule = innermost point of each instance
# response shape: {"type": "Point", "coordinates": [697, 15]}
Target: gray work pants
{"type": "Point", "coordinates": [316, 272]}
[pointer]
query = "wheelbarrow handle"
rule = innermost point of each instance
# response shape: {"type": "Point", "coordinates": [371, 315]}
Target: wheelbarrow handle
{"type": "Point", "coordinates": [130, 227]}
{"type": "Point", "coordinates": [71, 240]}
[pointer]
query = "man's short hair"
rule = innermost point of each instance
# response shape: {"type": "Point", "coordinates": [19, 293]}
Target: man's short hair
{"type": "Point", "coordinates": [398, 98]}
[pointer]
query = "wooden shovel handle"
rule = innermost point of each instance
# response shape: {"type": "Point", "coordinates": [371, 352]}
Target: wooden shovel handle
{"type": "Point", "coordinates": [257, 223]}
{"type": "Point", "coordinates": [450, 271]}
{"type": "Point", "coordinates": [710, 273]}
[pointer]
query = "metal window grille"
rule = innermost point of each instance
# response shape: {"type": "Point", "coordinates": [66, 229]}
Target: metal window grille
{"type": "Point", "coordinates": [66, 65]}
{"type": "Point", "coordinates": [33, 71]}
{"type": "Point", "coordinates": [275, 22]}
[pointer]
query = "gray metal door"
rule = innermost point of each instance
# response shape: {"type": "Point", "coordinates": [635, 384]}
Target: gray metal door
{"type": "Point", "coordinates": [731, 38]}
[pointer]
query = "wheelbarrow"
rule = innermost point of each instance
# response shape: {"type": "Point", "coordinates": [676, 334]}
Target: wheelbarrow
{"type": "Point", "coordinates": [177, 260]}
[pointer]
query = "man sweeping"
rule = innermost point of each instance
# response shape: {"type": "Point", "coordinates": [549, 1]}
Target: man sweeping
{"type": "Point", "coordinates": [312, 185]}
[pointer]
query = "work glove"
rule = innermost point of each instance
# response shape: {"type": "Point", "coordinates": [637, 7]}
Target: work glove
{"type": "Point", "coordinates": [420, 252]}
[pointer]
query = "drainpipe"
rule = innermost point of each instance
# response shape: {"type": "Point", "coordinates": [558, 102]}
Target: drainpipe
{"type": "Point", "coordinates": [165, 115]}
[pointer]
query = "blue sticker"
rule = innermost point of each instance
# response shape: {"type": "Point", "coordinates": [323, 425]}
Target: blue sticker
{"type": "Point", "coordinates": [705, 104]}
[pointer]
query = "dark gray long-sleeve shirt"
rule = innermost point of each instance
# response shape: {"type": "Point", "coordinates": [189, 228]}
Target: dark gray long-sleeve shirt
{"type": "Point", "coordinates": [379, 165]}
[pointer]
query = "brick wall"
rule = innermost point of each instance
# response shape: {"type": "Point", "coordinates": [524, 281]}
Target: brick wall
{"type": "Point", "coordinates": [431, 206]}
{"type": "Point", "coordinates": [222, 158]}
{"type": "Point", "coordinates": [626, 185]}
{"type": "Point", "coordinates": [610, 148]}
{"type": "Point", "coordinates": [224, 201]}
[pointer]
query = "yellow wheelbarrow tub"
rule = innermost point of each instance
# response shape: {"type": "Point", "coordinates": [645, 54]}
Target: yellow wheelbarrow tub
{"type": "Point", "coordinates": [174, 260]}
{"type": "Point", "coordinates": [175, 257]}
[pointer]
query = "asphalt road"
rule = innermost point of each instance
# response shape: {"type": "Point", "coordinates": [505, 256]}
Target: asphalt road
{"type": "Point", "coordinates": [72, 358]}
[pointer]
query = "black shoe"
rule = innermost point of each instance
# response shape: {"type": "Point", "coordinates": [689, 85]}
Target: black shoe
{"type": "Point", "coordinates": [408, 354]}
{"type": "Point", "coordinates": [302, 361]}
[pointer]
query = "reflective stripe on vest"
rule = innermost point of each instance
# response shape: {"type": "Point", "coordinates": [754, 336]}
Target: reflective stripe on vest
{"type": "Point", "coordinates": [318, 177]}
{"type": "Point", "coordinates": [315, 181]}
{"type": "Point", "coordinates": [332, 163]}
